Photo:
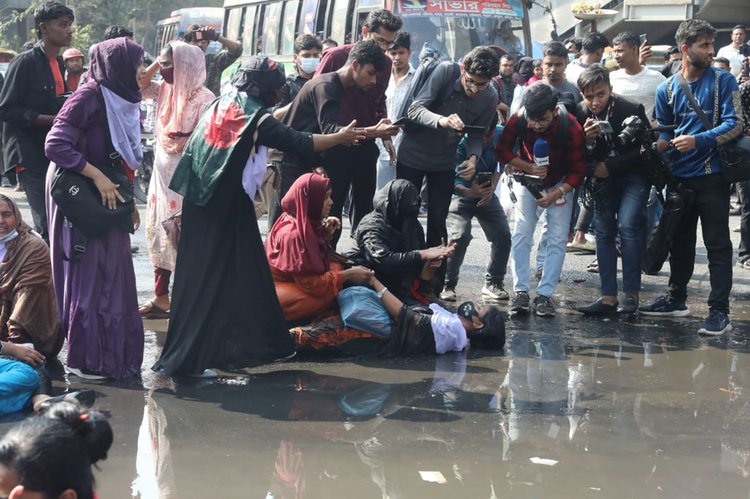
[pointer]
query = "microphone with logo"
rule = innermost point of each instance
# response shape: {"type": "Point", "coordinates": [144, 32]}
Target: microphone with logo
{"type": "Point", "coordinates": [541, 152]}
{"type": "Point", "coordinates": [534, 182]}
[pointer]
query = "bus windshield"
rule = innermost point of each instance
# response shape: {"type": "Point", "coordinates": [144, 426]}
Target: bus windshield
{"type": "Point", "coordinates": [455, 27]}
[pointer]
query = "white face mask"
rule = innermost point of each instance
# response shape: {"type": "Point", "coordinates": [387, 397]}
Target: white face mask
{"type": "Point", "coordinates": [9, 236]}
{"type": "Point", "coordinates": [571, 57]}
{"type": "Point", "coordinates": [309, 64]}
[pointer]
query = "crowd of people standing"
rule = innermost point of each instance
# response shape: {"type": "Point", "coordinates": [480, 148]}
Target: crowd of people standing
{"type": "Point", "coordinates": [353, 125]}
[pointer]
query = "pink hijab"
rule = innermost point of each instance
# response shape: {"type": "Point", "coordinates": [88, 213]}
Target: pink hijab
{"type": "Point", "coordinates": [181, 104]}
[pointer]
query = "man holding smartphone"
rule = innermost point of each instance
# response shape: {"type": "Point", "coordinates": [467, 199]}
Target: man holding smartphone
{"type": "Point", "coordinates": [476, 198]}
{"type": "Point", "coordinates": [202, 36]}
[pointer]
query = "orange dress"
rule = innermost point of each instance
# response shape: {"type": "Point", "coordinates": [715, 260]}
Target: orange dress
{"type": "Point", "coordinates": [306, 297]}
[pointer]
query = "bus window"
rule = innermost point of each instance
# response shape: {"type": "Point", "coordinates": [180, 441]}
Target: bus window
{"type": "Point", "coordinates": [234, 22]}
{"type": "Point", "coordinates": [248, 48]}
{"type": "Point", "coordinates": [340, 21]}
{"type": "Point", "coordinates": [287, 29]}
{"type": "Point", "coordinates": [307, 25]}
{"type": "Point", "coordinates": [271, 28]}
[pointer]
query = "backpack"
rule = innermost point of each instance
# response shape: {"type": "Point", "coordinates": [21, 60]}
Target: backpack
{"type": "Point", "coordinates": [421, 75]}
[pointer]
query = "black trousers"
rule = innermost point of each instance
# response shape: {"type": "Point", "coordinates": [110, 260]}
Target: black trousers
{"type": "Point", "coordinates": [743, 192]}
{"type": "Point", "coordinates": [352, 167]}
{"type": "Point", "coordinates": [33, 185]}
{"type": "Point", "coordinates": [711, 206]}
{"type": "Point", "coordinates": [439, 195]}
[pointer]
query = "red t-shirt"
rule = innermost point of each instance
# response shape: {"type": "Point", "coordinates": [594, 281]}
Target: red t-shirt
{"type": "Point", "coordinates": [57, 75]}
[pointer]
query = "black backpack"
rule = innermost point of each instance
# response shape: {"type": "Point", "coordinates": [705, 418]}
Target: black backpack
{"type": "Point", "coordinates": [421, 75]}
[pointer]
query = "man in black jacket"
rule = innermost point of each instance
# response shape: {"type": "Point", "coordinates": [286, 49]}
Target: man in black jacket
{"type": "Point", "coordinates": [29, 101]}
{"type": "Point", "coordinates": [619, 187]}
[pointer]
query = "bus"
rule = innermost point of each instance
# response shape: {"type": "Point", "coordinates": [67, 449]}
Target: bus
{"type": "Point", "coordinates": [452, 26]}
{"type": "Point", "coordinates": [175, 26]}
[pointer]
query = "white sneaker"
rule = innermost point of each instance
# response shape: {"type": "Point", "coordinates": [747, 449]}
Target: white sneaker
{"type": "Point", "coordinates": [494, 292]}
{"type": "Point", "coordinates": [448, 294]}
{"type": "Point", "coordinates": [77, 372]}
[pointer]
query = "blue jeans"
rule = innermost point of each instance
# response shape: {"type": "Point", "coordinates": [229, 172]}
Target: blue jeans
{"type": "Point", "coordinates": [17, 384]}
{"type": "Point", "coordinates": [624, 212]}
{"type": "Point", "coordinates": [558, 224]}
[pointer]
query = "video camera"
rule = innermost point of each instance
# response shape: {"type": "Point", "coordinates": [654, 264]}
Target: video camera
{"type": "Point", "coordinates": [637, 131]}
{"type": "Point", "coordinates": [532, 182]}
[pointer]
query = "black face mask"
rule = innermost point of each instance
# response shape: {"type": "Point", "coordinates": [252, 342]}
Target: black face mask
{"type": "Point", "coordinates": [168, 74]}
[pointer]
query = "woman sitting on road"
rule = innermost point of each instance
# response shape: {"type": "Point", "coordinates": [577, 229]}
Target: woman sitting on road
{"type": "Point", "coordinates": [307, 274]}
{"type": "Point", "coordinates": [28, 311]}
{"type": "Point", "coordinates": [391, 241]}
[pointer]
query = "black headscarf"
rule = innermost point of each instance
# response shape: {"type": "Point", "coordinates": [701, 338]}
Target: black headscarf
{"type": "Point", "coordinates": [397, 205]}
{"type": "Point", "coordinates": [260, 77]}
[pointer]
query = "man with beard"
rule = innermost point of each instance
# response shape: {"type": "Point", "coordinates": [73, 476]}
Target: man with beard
{"type": "Point", "coordinates": [30, 100]}
{"type": "Point", "coordinates": [73, 59]}
{"type": "Point", "coordinates": [505, 84]}
{"type": "Point", "coordinates": [695, 162]}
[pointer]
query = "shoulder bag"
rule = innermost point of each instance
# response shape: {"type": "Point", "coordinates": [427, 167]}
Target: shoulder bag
{"type": "Point", "coordinates": [734, 155]}
{"type": "Point", "coordinates": [81, 203]}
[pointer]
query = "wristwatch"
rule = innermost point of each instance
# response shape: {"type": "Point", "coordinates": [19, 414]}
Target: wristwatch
{"type": "Point", "coordinates": [382, 292]}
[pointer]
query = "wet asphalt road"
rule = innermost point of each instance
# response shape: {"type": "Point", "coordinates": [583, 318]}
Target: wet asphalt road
{"type": "Point", "coordinates": [575, 407]}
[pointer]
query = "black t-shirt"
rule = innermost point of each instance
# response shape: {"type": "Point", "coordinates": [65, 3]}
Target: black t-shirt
{"type": "Point", "coordinates": [314, 110]}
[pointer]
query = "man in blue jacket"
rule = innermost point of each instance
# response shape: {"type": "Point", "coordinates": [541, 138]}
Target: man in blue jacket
{"type": "Point", "coordinates": [695, 162]}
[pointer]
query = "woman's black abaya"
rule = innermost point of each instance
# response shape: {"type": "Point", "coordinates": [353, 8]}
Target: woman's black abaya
{"type": "Point", "coordinates": [225, 313]}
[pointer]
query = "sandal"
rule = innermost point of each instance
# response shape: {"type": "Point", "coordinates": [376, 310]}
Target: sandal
{"type": "Point", "coordinates": [593, 267]}
{"type": "Point", "coordinates": [152, 311]}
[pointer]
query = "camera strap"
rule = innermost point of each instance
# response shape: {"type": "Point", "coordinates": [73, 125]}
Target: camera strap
{"type": "Point", "coordinates": [694, 102]}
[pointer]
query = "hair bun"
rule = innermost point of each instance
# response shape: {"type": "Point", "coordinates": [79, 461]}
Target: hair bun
{"type": "Point", "coordinates": [91, 426]}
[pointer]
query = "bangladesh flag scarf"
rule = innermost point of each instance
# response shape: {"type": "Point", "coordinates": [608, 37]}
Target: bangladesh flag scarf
{"type": "Point", "coordinates": [228, 120]}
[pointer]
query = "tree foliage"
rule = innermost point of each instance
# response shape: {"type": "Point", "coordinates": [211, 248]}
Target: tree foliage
{"type": "Point", "coordinates": [94, 16]}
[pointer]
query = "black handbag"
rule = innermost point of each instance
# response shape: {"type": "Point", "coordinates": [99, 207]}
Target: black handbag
{"type": "Point", "coordinates": [735, 155]}
{"type": "Point", "coordinates": [81, 203]}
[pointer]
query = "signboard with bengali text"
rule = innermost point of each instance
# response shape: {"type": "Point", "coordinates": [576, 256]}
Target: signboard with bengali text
{"type": "Point", "coordinates": [494, 8]}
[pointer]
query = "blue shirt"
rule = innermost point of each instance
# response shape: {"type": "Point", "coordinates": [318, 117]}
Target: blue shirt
{"type": "Point", "coordinates": [486, 161]}
{"type": "Point", "coordinates": [704, 158]}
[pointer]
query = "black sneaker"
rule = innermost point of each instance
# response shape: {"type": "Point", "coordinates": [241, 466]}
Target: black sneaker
{"type": "Point", "coordinates": [665, 306]}
{"type": "Point", "coordinates": [520, 303]}
{"type": "Point", "coordinates": [717, 323]}
{"type": "Point", "coordinates": [543, 306]}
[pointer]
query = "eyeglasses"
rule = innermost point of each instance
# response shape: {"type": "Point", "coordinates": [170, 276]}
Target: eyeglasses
{"type": "Point", "coordinates": [477, 86]}
{"type": "Point", "coordinates": [384, 44]}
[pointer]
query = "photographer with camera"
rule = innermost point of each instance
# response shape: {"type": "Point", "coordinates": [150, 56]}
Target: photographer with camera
{"type": "Point", "coordinates": [619, 187]}
{"type": "Point", "coordinates": [686, 99]}
{"type": "Point", "coordinates": [202, 36]}
{"type": "Point", "coordinates": [531, 143]}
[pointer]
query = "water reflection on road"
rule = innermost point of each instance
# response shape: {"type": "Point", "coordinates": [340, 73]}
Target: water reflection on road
{"type": "Point", "coordinates": [635, 409]}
